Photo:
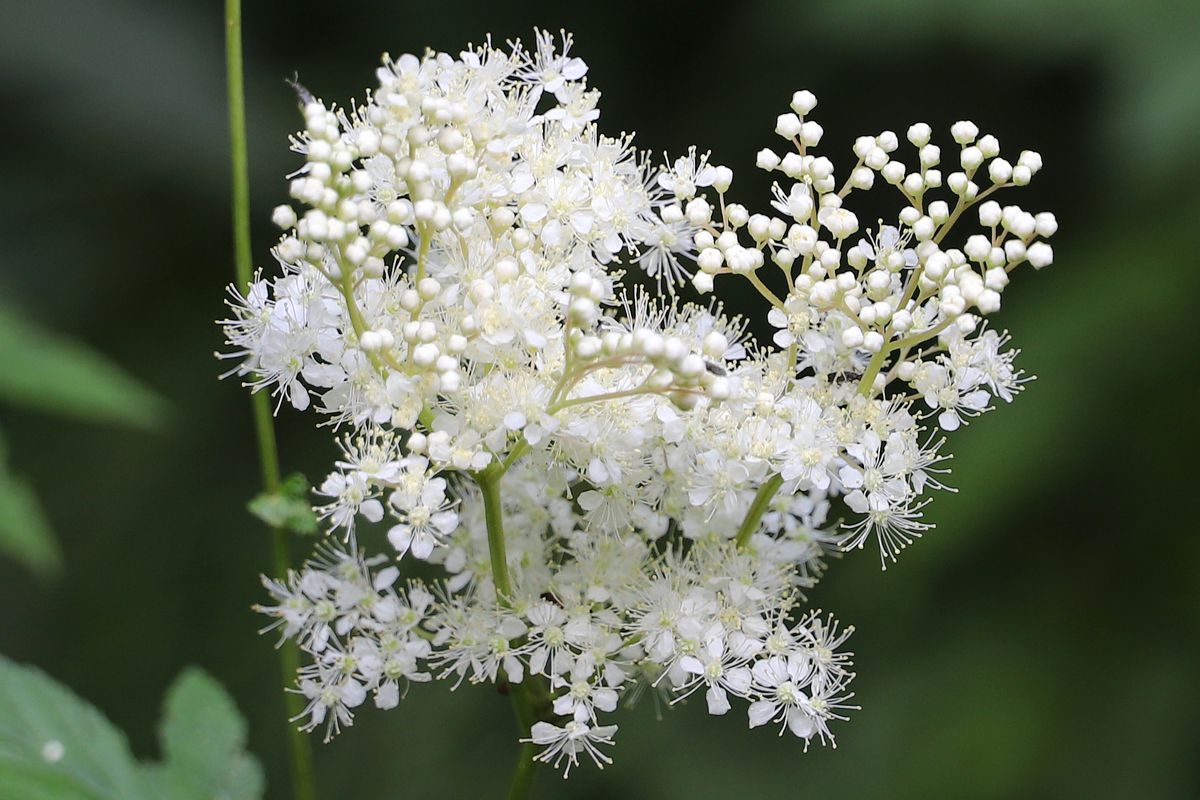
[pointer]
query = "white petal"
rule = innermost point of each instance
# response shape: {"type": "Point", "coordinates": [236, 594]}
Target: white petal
{"type": "Point", "coordinates": [738, 680]}
{"type": "Point", "coordinates": [545, 733]}
{"type": "Point", "coordinates": [388, 695]}
{"type": "Point", "coordinates": [385, 578]}
{"type": "Point", "coordinates": [532, 212]}
{"type": "Point", "coordinates": [800, 723]}
{"type": "Point", "coordinates": [718, 702]}
{"type": "Point", "coordinates": [371, 509]}
{"type": "Point", "coordinates": [760, 713]}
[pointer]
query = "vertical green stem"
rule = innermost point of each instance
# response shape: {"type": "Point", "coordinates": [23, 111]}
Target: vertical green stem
{"type": "Point", "coordinates": [522, 779]}
{"type": "Point", "coordinates": [301, 757]}
{"type": "Point", "coordinates": [522, 694]}
{"type": "Point", "coordinates": [493, 513]}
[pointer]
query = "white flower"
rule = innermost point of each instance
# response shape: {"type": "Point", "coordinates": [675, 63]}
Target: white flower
{"type": "Point", "coordinates": [721, 670]}
{"type": "Point", "coordinates": [781, 683]}
{"type": "Point", "coordinates": [352, 496]}
{"type": "Point", "coordinates": [551, 69]}
{"type": "Point", "coordinates": [567, 742]}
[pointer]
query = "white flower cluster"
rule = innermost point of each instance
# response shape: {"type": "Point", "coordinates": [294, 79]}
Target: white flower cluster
{"type": "Point", "coordinates": [622, 491]}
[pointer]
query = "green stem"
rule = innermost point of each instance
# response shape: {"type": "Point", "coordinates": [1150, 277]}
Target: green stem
{"type": "Point", "coordinates": [268, 455]}
{"type": "Point", "coordinates": [866, 385]}
{"type": "Point", "coordinates": [522, 779]}
{"type": "Point", "coordinates": [524, 701]}
{"type": "Point", "coordinates": [754, 516]}
{"type": "Point", "coordinates": [493, 514]}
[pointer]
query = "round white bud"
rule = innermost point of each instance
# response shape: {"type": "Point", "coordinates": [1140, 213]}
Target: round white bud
{"type": "Point", "coordinates": [936, 266]}
{"type": "Point", "coordinates": [284, 216]}
{"type": "Point", "coordinates": [893, 172]}
{"type": "Point", "coordinates": [766, 159]}
{"type": "Point", "coordinates": [425, 355]}
{"type": "Point", "coordinates": [1040, 255]}
{"type": "Point", "coordinates": [787, 125]}
{"type": "Point", "coordinates": [996, 279]}
{"type": "Point", "coordinates": [710, 260]}
{"type": "Point", "coordinates": [862, 178]}
{"type": "Point", "coordinates": [1014, 250]}
{"type": "Point", "coordinates": [722, 179]}
{"type": "Point", "coordinates": [803, 102]}
{"type": "Point", "coordinates": [988, 301]}
{"type": "Point", "coordinates": [1046, 224]}
{"type": "Point", "coordinates": [759, 227]}
{"type": "Point", "coordinates": [699, 211]}
{"type": "Point", "coordinates": [978, 247]}
{"type": "Point", "coordinates": [964, 131]}
{"type": "Point", "coordinates": [507, 269]}
{"type": "Point", "coordinates": [429, 288]}
{"type": "Point", "coordinates": [919, 134]}
{"type": "Point", "coordinates": [450, 140]}
{"type": "Point", "coordinates": [692, 366]}
{"type": "Point", "coordinates": [811, 133]}
{"type": "Point", "coordinates": [939, 211]}
{"type": "Point", "coordinates": [989, 214]}
{"type": "Point", "coordinates": [463, 218]}
{"type": "Point", "coordinates": [793, 165]}
{"type": "Point", "coordinates": [887, 141]}
{"type": "Point", "coordinates": [999, 170]}
{"type": "Point", "coordinates": [715, 345]}
{"type": "Point", "coordinates": [923, 229]}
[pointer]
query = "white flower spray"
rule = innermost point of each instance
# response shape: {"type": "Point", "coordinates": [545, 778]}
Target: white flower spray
{"type": "Point", "coordinates": [622, 492]}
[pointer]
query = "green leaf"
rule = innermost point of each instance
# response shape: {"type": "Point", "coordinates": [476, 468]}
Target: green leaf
{"type": "Point", "coordinates": [25, 534]}
{"type": "Point", "coordinates": [289, 508]}
{"type": "Point", "coordinates": [203, 740]}
{"type": "Point", "coordinates": [39, 720]}
{"type": "Point", "coordinates": [55, 746]}
{"type": "Point", "coordinates": [47, 372]}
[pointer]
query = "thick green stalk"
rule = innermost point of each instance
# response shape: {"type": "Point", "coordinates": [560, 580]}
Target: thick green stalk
{"type": "Point", "coordinates": [522, 694]}
{"type": "Point", "coordinates": [493, 514]}
{"type": "Point", "coordinates": [759, 507]}
{"type": "Point", "coordinates": [268, 455]}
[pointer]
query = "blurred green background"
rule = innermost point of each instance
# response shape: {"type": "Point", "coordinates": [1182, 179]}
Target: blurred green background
{"type": "Point", "coordinates": [1042, 643]}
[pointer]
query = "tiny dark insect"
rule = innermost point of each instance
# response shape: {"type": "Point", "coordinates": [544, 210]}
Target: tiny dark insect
{"type": "Point", "coordinates": [715, 369]}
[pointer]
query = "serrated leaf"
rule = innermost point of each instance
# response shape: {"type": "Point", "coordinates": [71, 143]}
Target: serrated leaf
{"type": "Point", "coordinates": [48, 372]}
{"type": "Point", "coordinates": [55, 745]}
{"type": "Point", "coordinates": [289, 508]}
{"type": "Point", "coordinates": [203, 740]}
